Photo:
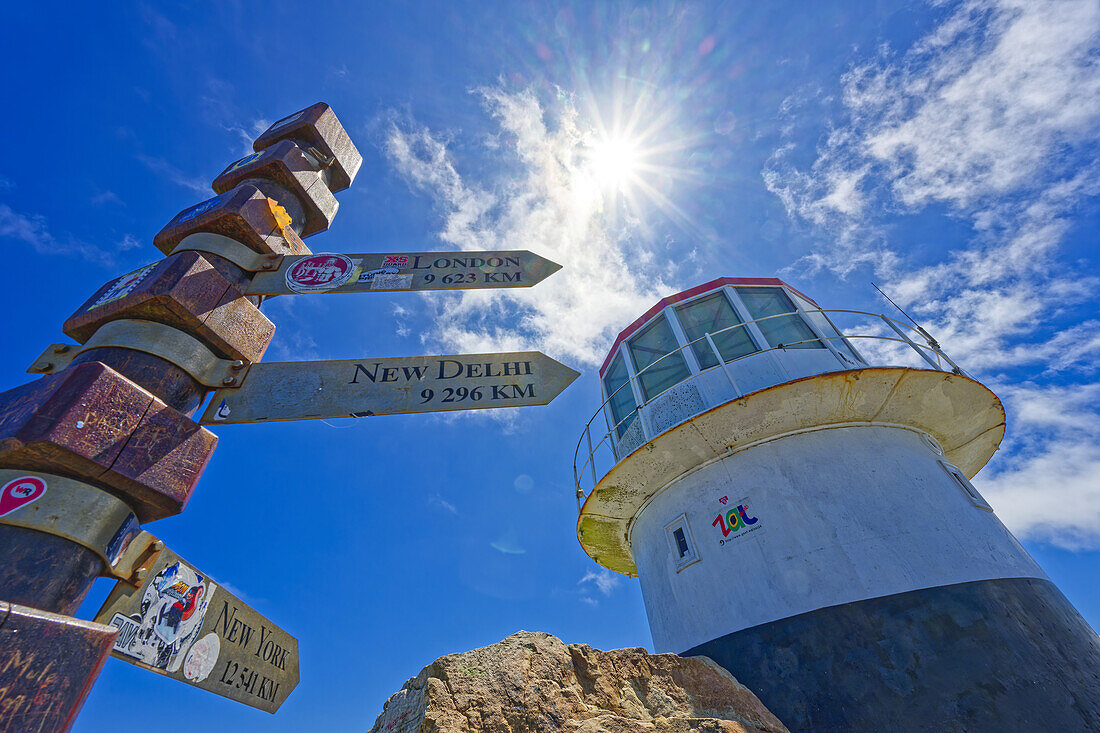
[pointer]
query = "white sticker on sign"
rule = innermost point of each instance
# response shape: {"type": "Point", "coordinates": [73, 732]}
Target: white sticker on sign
{"type": "Point", "coordinates": [202, 658]}
{"type": "Point", "coordinates": [386, 281]}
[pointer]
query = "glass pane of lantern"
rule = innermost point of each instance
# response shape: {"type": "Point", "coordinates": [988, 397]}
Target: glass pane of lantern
{"type": "Point", "coordinates": [713, 314]}
{"type": "Point", "coordinates": [623, 409]}
{"type": "Point", "coordinates": [653, 342]}
{"type": "Point", "coordinates": [787, 330]}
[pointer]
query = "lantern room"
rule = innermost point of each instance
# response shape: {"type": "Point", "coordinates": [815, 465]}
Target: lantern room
{"type": "Point", "coordinates": [710, 344]}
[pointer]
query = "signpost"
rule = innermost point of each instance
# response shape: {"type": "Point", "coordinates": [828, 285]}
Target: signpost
{"type": "Point", "coordinates": [180, 623]}
{"type": "Point", "coordinates": [105, 441]}
{"type": "Point", "coordinates": [359, 273]}
{"type": "Point", "coordinates": [303, 390]}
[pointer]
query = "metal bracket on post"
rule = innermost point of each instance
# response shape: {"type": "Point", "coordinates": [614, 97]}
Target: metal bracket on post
{"type": "Point", "coordinates": [170, 344]}
{"type": "Point", "coordinates": [132, 566]}
{"type": "Point", "coordinates": [229, 249]}
{"type": "Point", "coordinates": [81, 513]}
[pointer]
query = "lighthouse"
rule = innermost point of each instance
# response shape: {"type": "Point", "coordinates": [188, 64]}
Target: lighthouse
{"type": "Point", "coordinates": [802, 513]}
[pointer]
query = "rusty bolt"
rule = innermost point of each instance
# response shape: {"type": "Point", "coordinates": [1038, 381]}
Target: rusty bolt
{"type": "Point", "coordinates": [269, 265]}
{"type": "Point", "coordinates": [237, 365]}
{"type": "Point", "coordinates": [141, 574]}
{"type": "Point", "coordinates": [44, 366]}
{"type": "Point", "coordinates": [158, 546]}
{"type": "Point", "coordinates": [61, 349]}
{"type": "Point", "coordinates": [229, 380]}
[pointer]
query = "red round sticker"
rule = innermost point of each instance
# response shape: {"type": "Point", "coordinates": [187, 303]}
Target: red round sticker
{"type": "Point", "coordinates": [19, 492]}
{"type": "Point", "coordinates": [318, 273]}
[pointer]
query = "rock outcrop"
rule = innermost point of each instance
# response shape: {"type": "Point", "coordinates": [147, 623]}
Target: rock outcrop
{"type": "Point", "coordinates": [534, 683]}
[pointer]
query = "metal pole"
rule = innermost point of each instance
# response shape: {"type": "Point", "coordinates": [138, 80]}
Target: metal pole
{"type": "Point", "coordinates": [591, 455]}
{"type": "Point", "coordinates": [909, 341]}
{"type": "Point", "coordinates": [725, 366]}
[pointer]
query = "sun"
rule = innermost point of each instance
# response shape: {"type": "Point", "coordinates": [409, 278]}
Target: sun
{"type": "Point", "coordinates": [615, 161]}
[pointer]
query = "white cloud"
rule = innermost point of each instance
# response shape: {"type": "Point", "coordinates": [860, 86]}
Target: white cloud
{"type": "Point", "coordinates": [551, 205]}
{"type": "Point", "coordinates": [993, 118]}
{"type": "Point", "coordinates": [436, 501]}
{"type": "Point", "coordinates": [106, 197]}
{"type": "Point", "coordinates": [33, 230]}
{"type": "Point", "coordinates": [604, 581]}
{"type": "Point", "coordinates": [172, 174]}
{"type": "Point", "coordinates": [1050, 489]}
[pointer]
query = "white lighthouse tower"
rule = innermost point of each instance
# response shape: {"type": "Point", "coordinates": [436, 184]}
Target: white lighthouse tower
{"type": "Point", "coordinates": [805, 518]}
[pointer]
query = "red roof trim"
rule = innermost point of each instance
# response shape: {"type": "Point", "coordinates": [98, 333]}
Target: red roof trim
{"type": "Point", "coordinates": [690, 293]}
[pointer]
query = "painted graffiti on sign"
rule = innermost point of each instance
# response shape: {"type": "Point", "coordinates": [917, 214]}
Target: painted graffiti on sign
{"type": "Point", "coordinates": [181, 624]}
{"type": "Point", "coordinates": [734, 522]}
{"type": "Point", "coordinates": [171, 613]}
{"type": "Point", "coordinates": [318, 273]}
{"type": "Point", "coordinates": [123, 286]}
{"type": "Point", "coordinates": [19, 492]}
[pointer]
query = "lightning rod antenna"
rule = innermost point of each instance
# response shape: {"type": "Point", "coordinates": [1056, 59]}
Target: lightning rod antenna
{"type": "Point", "coordinates": [931, 341]}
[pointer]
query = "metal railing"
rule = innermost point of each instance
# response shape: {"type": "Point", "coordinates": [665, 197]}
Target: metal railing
{"type": "Point", "coordinates": [930, 353]}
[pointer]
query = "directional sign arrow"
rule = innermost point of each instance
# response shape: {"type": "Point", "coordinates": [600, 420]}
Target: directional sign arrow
{"type": "Point", "coordinates": [358, 273]}
{"type": "Point", "coordinates": [303, 390]}
{"type": "Point", "coordinates": [180, 623]}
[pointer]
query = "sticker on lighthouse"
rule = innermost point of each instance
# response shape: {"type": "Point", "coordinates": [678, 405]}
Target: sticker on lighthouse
{"type": "Point", "coordinates": [734, 520]}
{"type": "Point", "coordinates": [171, 614]}
{"type": "Point", "coordinates": [319, 273]}
{"type": "Point", "coordinates": [19, 492]}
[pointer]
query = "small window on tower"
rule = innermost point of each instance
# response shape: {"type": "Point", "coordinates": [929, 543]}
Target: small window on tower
{"type": "Point", "coordinates": [681, 542]}
{"type": "Point", "coordinates": [968, 488]}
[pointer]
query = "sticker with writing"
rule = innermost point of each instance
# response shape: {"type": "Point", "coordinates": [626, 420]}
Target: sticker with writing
{"type": "Point", "coordinates": [172, 611]}
{"type": "Point", "coordinates": [202, 658]}
{"type": "Point", "coordinates": [19, 492]}
{"type": "Point", "coordinates": [182, 624]}
{"type": "Point", "coordinates": [123, 286]}
{"type": "Point", "coordinates": [319, 273]}
{"type": "Point", "coordinates": [734, 521]}
{"type": "Point", "coordinates": [367, 276]}
{"type": "Point", "coordinates": [394, 281]}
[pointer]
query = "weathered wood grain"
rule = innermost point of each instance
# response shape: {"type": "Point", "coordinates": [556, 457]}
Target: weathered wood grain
{"type": "Point", "coordinates": [244, 214]}
{"type": "Point", "coordinates": [317, 126]}
{"type": "Point", "coordinates": [90, 422]}
{"type": "Point", "coordinates": [47, 666]}
{"type": "Point", "coordinates": [286, 164]}
{"type": "Point", "coordinates": [186, 292]}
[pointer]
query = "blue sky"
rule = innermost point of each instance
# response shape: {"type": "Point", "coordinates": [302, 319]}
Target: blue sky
{"type": "Point", "coordinates": [947, 151]}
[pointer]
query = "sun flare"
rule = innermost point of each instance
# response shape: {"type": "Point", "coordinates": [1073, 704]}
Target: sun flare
{"type": "Point", "coordinates": [615, 162]}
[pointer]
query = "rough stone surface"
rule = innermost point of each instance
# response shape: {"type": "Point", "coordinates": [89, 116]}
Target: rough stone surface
{"type": "Point", "coordinates": [534, 683]}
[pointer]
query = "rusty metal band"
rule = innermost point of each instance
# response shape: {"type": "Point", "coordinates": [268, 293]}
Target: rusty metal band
{"type": "Point", "coordinates": [172, 345]}
{"type": "Point", "coordinates": [71, 509]}
{"type": "Point", "coordinates": [230, 249]}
